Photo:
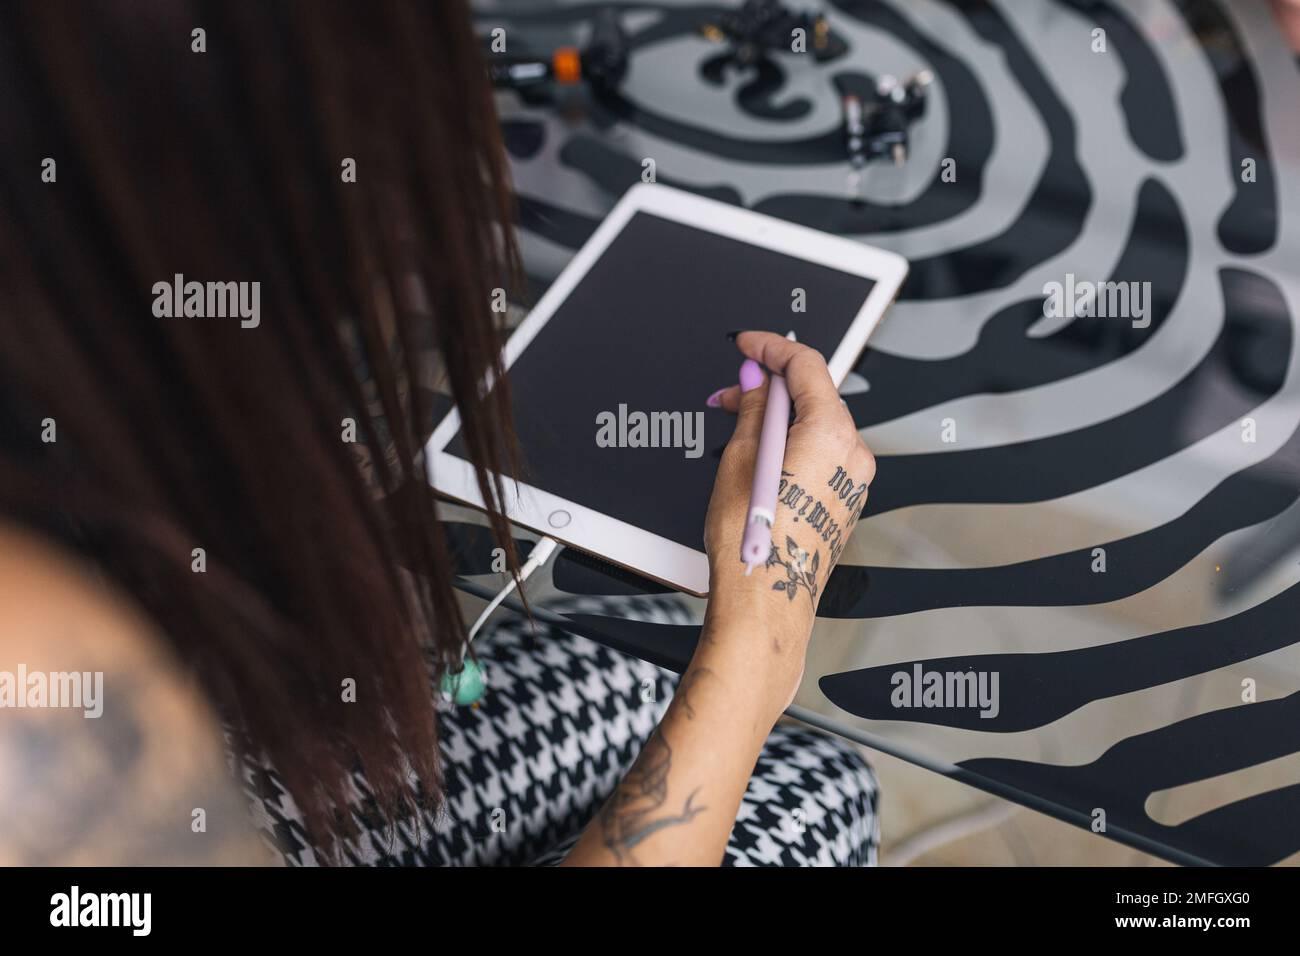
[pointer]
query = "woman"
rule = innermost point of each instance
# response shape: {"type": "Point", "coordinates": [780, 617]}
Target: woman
{"type": "Point", "coordinates": [225, 514]}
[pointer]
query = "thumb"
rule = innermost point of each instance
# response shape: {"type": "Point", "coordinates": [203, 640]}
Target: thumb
{"type": "Point", "coordinates": [753, 400]}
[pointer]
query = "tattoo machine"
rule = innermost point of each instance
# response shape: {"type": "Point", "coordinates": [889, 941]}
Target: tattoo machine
{"type": "Point", "coordinates": [881, 127]}
{"type": "Point", "coordinates": [760, 27]}
{"type": "Point", "coordinates": [603, 62]}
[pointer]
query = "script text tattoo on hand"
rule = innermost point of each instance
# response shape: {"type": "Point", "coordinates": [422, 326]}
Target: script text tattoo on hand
{"type": "Point", "coordinates": [802, 565]}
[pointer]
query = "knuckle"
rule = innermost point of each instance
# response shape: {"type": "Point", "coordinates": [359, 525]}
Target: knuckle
{"type": "Point", "coordinates": [862, 457]}
{"type": "Point", "coordinates": [809, 358]}
{"type": "Point", "coordinates": [858, 458]}
{"type": "Point", "coordinates": [753, 400]}
{"type": "Point", "coordinates": [868, 464]}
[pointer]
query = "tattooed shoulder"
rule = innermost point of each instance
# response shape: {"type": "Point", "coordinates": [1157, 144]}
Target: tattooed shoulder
{"type": "Point", "coordinates": [108, 755]}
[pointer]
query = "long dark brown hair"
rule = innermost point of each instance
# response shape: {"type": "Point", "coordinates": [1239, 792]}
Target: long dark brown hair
{"type": "Point", "coordinates": [176, 434]}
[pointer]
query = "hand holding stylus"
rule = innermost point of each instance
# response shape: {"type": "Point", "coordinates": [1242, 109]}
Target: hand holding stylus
{"type": "Point", "coordinates": [750, 656]}
{"type": "Point", "coordinates": [813, 483]}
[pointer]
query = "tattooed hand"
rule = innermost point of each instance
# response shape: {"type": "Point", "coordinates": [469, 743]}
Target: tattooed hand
{"type": "Point", "coordinates": [678, 803]}
{"type": "Point", "coordinates": [823, 489]}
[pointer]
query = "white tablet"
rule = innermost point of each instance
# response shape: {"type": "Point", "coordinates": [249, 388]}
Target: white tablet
{"type": "Point", "coordinates": [610, 371]}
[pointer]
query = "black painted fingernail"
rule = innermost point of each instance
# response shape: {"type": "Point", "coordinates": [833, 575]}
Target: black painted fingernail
{"type": "Point", "coordinates": [731, 336]}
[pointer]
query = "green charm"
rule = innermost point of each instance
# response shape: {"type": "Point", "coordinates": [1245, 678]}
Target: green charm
{"type": "Point", "coordinates": [466, 686]}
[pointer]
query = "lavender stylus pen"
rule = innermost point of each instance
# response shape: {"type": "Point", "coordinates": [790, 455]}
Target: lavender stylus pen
{"type": "Point", "coordinates": [756, 546]}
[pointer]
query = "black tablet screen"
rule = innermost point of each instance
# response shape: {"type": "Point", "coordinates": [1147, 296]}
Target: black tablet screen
{"type": "Point", "coordinates": [630, 357]}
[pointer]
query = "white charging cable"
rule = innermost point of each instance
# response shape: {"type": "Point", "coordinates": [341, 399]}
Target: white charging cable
{"type": "Point", "coordinates": [541, 552]}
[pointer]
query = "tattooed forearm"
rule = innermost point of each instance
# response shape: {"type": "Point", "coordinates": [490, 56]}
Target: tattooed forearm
{"type": "Point", "coordinates": [687, 685]}
{"type": "Point", "coordinates": [633, 813]}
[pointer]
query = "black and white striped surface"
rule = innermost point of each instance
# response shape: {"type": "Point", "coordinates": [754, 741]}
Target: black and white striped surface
{"type": "Point", "coordinates": [1120, 691]}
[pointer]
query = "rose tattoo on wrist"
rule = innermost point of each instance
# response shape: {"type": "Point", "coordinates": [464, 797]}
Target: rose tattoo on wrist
{"type": "Point", "coordinates": [800, 569]}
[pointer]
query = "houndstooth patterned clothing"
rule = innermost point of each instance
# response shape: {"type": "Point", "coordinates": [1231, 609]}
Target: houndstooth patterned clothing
{"type": "Point", "coordinates": [562, 720]}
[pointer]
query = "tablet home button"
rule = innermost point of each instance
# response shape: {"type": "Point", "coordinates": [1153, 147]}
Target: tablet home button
{"type": "Point", "coordinates": [559, 519]}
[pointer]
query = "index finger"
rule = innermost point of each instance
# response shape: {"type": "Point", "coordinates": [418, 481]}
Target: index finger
{"type": "Point", "coordinates": [803, 368]}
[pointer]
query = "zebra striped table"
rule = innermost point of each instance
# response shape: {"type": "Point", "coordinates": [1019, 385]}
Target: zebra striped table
{"type": "Point", "coordinates": [1095, 516]}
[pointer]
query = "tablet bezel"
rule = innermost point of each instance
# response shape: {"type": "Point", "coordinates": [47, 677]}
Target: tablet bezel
{"type": "Point", "coordinates": [619, 542]}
